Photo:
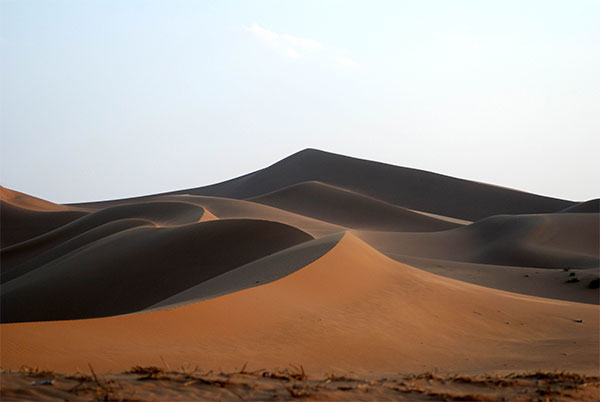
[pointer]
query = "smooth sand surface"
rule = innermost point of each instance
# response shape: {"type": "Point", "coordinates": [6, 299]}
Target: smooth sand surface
{"type": "Point", "coordinates": [545, 241]}
{"type": "Point", "coordinates": [349, 209]}
{"type": "Point", "coordinates": [591, 206]}
{"type": "Point", "coordinates": [24, 217]}
{"type": "Point", "coordinates": [352, 308]}
{"type": "Point", "coordinates": [226, 208]}
{"type": "Point", "coordinates": [256, 273]}
{"type": "Point", "coordinates": [409, 188]}
{"type": "Point", "coordinates": [404, 187]}
{"type": "Point", "coordinates": [27, 201]}
{"type": "Point", "coordinates": [322, 260]}
{"type": "Point", "coordinates": [131, 270]}
{"type": "Point", "coordinates": [541, 282]}
{"type": "Point", "coordinates": [155, 213]}
{"type": "Point", "coordinates": [20, 224]}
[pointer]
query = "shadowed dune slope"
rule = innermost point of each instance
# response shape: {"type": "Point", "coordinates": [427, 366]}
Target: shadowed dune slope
{"type": "Point", "coordinates": [540, 282]}
{"type": "Point", "coordinates": [155, 213]}
{"type": "Point", "coordinates": [19, 224]}
{"type": "Point", "coordinates": [405, 187]}
{"type": "Point", "coordinates": [138, 267]}
{"type": "Point", "coordinates": [352, 309]}
{"type": "Point", "coordinates": [546, 241]}
{"type": "Point", "coordinates": [349, 209]}
{"type": "Point", "coordinates": [37, 259]}
{"type": "Point", "coordinates": [591, 206]}
{"type": "Point", "coordinates": [259, 272]}
{"type": "Point", "coordinates": [227, 208]}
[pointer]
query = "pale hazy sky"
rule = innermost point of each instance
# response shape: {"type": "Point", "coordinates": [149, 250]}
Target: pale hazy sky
{"type": "Point", "coordinates": [109, 99]}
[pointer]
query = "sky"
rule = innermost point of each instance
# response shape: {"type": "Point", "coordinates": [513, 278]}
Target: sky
{"type": "Point", "coordinates": [111, 99]}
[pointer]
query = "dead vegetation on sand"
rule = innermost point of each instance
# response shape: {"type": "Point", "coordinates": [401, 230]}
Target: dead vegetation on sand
{"type": "Point", "coordinates": [154, 383]}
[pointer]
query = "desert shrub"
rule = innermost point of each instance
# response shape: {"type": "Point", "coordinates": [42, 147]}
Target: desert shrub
{"type": "Point", "coordinates": [573, 280]}
{"type": "Point", "coordinates": [594, 283]}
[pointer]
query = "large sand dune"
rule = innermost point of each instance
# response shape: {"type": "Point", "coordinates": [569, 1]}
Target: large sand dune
{"type": "Point", "coordinates": [24, 217]}
{"type": "Point", "coordinates": [138, 267]}
{"type": "Point", "coordinates": [352, 308]}
{"type": "Point", "coordinates": [26, 201]}
{"type": "Point", "coordinates": [351, 210]}
{"type": "Point", "coordinates": [545, 241]}
{"type": "Point", "coordinates": [409, 188]}
{"type": "Point", "coordinates": [320, 259]}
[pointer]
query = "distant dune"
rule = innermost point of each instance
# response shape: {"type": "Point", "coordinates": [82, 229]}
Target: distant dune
{"type": "Point", "coordinates": [349, 209]}
{"type": "Point", "coordinates": [591, 206]}
{"type": "Point", "coordinates": [404, 187]}
{"type": "Point", "coordinates": [29, 202]}
{"type": "Point", "coordinates": [25, 217]}
{"type": "Point", "coordinates": [544, 241]}
{"type": "Point", "coordinates": [323, 260]}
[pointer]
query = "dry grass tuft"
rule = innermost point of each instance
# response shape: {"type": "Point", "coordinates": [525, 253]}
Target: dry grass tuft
{"type": "Point", "coordinates": [149, 373]}
{"type": "Point", "coordinates": [36, 372]}
{"type": "Point", "coordinates": [297, 373]}
{"type": "Point", "coordinates": [299, 392]}
{"type": "Point", "coordinates": [332, 377]}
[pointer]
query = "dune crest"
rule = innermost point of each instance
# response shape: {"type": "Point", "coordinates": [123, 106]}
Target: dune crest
{"type": "Point", "coordinates": [353, 307]}
{"type": "Point", "coordinates": [27, 201]}
{"type": "Point", "coordinates": [322, 201]}
{"type": "Point", "coordinates": [409, 188]}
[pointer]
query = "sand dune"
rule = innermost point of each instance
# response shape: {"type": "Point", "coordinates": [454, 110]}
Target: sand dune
{"type": "Point", "coordinates": [540, 282]}
{"type": "Point", "coordinates": [26, 201]}
{"type": "Point", "coordinates": [348, 209]}
{"type": "Point", "coordinates": [545, 241]}
{"type": "Point", "coordinates": [409, 188]}
{"type": "Point", "coordinates": [226, 208]}
{"type": "Point", "coordinates": [157, 214]}
{"type": "Point", "coordinates": [24, 216]}
{"type": "Point", "coordinates": [405, 187]}
{"type": "Point", "coordinates": [138, 267]}
{"type": "Point", "coordinates": [291, 264]}
{"type": "Point", "coordinates": [256, 273]}
{"type": "Point", "coordinates": [591, 206]}
{"type": "Point", "coordinates": [353, 307]}
{"type": "Point", "coordinates": [35, 258]}
{"type": "Point", "coordinates": [20, 224]}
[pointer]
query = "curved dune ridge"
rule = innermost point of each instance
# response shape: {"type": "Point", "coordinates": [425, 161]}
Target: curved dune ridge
{"type": "Point", "coordinates": [26, 201]}
{"type": "Point", "coordinates": [320, 259]}
{"type": "Point", "coordinates": [154, 213]}
{"type": "Point", "coordinates": [138, 267]}
{"type": "Point", "coordinates": [591, 206]}
{"type": "Point", "coordinates": [404, 187]}
{"type": "Point", "coordinates": [545, 241]}
{"type": "Point", "coordinates": [353, 307]}
{"type": "Point", "coordinates": [20, 224]}
{"type": "Point", "coordinates": [24, 217]}
{"type": "Point", "coordinates": [351, 210]}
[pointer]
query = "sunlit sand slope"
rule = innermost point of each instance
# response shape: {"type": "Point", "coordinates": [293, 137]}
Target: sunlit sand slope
{"type": "Point", "coordinates": [353, 309]}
